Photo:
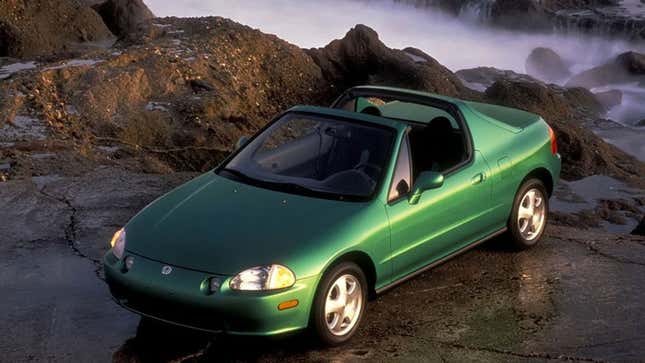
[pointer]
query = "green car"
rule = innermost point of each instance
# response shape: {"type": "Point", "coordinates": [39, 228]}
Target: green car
{"type": "Point", "coordinates": [327, 207]}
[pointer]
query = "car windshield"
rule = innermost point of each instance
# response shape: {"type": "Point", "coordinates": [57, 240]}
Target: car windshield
{"type": "Point", "coordinates": [313, 154]}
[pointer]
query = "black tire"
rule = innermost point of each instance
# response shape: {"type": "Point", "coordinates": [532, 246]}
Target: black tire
{"type": "Point", "coordinates": [519, 240]}
{"type": "Point", "coordinates": [318, 317]}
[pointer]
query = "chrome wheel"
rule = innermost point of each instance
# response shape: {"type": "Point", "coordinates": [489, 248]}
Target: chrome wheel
{"type": "Point", "coordinates": [343, 305]}
{"type": "Point", "coordinates": [531, 214]}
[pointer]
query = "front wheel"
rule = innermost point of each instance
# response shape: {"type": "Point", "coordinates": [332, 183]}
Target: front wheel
{"type": "Point", "coordinates": [339, 304]}
{"type": "Point", "coordinates": [529, 215]}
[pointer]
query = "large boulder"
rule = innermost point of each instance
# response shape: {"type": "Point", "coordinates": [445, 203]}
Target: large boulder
{"type": "Point", "coordinates": [583, 152]}
{"type": "Point", "coordinates": [627, 67]}
{"type": "Point", "coordinates": [361, 58]}
{"type": "Point", "coordinates": [125, 18]}
{"type": "Point", "coordinates": [47, 27]}
{"type": "Point", "coordinates": [546, 64]}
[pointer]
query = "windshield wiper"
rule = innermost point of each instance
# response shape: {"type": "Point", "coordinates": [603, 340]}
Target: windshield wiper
{"type": "Point", "coordinates": [295, 187]}
{"type": "Point", "coordinates": [283, 185]}
{"type": "Point", "coordinates": [288, 187]}
{"type": "Point", "coordinates": [239, 174]}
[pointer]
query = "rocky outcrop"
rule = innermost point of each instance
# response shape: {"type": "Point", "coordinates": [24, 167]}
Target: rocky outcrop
{"type": "Point", "coordinates": [627, 67]}
{"type": "Point", "coordinates": [361, 58]}
{"type": "Point", "coordinates": [125, 18]}
{"type": "Point", "coordinates": [177, 103]}
{"type": "Point", "coordinates": [582, 151]}
{"type": "Point", "coordinates": [181, 100]}
{"type": "Point", "coordinates": [546, 64]}
{"type": "Point", "coordinates": [47, 27]}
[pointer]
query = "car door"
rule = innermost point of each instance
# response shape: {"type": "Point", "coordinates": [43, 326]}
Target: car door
{"type": "Point", "coordinates": [444, 220]}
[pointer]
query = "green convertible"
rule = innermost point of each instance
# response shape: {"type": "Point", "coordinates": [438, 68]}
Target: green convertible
{"type": "Point", "coordinates": [327, 207]}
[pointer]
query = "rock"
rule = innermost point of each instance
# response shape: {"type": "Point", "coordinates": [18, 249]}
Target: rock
{"type": "Point", "coordinates": [47, 27]}
{"type": "Point", "coordinates": [583, 104]}
{"type": "Point", "coordinates": [199, 85]}
{"type": "Point", "coordinates": [610, 99]}
{"type": "Point", "coordinates": [519, 14]}
{"type": "Point", "coordinates": [481, 78]}
{"type": "Point", "coordinates": [229, 82]}
{"type": "Point", "coordinates": [640, 229]}
{"type": "Point", "coordinates": [361, 58]}
{"type": "Point", "coordinates": [125, 18]}
{"type": "Point", "coordinates": [632, 62]}
{"type": "Point", "coordinates": [546, 64]}
{"type": "Point", "coordinates": [583, 153]}
{"type": "Point", "coordinates": [627, 67]}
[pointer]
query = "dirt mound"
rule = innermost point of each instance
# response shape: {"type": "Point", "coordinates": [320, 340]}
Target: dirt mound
{"type": "Point", "coordinates": [125, 18]}
{"type": "Point", "coordinates": [47, 27]}
{"type": "Point", "coordinates": [583, 152]}
{"type": "Point", "coordinates": [361, 58]}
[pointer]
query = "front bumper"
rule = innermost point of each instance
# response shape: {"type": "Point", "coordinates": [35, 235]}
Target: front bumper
{"type": "Point", "coordinates": [182, 297]}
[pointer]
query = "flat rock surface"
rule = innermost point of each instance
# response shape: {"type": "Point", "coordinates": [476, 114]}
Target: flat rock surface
{"type": "Point", "coordinates": [577, 296]}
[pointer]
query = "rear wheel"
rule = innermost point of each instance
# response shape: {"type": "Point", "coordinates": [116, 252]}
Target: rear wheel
{"type": "Point", "coordinates": [529, 215]}
{"type": "Point", "coordinates": [339, 304]}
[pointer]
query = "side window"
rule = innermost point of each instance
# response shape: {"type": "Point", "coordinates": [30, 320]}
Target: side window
{"type": "Point", "coordinates": [402, 179]}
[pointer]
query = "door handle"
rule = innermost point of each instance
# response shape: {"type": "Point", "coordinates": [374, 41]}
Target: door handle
{"type": "Point", "coordinates": [477, 179]}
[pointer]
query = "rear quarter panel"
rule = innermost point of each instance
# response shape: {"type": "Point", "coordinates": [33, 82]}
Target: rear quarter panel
{"type": "Point", "coordinates": [513, 154]}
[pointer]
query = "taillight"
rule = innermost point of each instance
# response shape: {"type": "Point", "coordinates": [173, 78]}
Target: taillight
{"type": "Point", "coordinates": [554, 142]}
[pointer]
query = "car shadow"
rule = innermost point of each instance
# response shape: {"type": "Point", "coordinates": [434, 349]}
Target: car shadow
{"type": "Point", "coordinates": [157, 341]}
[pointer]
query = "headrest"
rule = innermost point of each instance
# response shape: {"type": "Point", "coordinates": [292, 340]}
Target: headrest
{"type": "Point", "coordinates": [372, 110]}
{"type": "Point", "coordinates": [440, 124]}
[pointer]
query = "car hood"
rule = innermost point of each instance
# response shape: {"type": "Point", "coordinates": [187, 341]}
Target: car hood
{"type": "Point", "coordinates": [221, 226]}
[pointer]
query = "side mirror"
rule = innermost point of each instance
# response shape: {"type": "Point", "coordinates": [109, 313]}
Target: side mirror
{"type": "Point", "coordinates": [426, 181]}
{"type": "Point", "coordinates": [241, 142]}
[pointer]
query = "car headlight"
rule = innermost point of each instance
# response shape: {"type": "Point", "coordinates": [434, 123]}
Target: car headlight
{"type": "Point", "coordinates": [263, 278]}
{"type": "Point", "coordinates": [118, 243]}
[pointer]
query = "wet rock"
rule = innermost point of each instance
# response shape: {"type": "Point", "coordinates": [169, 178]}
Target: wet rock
{"type": "Point", "coordinates": [481, 78]}
{"type": "Point", "coordinates": [125, 18]}
{"type": "Point", "coordinates": [47, 27]}
{"type": "Point", "coordinates": [610, 99]}
{"type": "Point", "coordinates": [361, 58]}
{"type": "Point", "coordinates": [519, 14]}
{"type": "Point", "coordinates": [583, 104]}
{"type": "Point", "coordinates": [546, 64]}
{"type": "Point", "coordinates": [582, 151]}
{"type": "Point", "coordinates": [627, 67]}
{"type": "Point", "coordinates": [199, 85]}
{"type": "Point", "coordinates": [640, 229]}
{"type": "Point", "coordinates": [632, 62]}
